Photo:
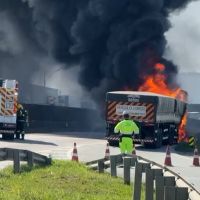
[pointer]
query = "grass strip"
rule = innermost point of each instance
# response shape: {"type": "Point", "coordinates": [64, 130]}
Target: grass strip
{"type": "Point", "coordinates": [63, 180]}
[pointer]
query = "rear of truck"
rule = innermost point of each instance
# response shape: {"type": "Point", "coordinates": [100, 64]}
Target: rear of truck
{"type": "Point", "coordinates": [154, 114]}
{"type": "Point", "coordinates": [8, 108]}
{"type": "Point", "coordinates": [141, 108]}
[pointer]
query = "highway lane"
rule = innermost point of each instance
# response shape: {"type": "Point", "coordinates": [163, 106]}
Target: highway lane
{"type": "Point", "coordinates": [91, 146]}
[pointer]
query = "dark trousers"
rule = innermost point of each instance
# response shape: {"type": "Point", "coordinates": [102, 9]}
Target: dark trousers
{"type": "Point", "coordinates": [20, 129]}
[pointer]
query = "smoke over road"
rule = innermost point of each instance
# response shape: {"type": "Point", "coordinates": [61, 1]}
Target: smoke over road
{"type": "Point", "coordinates": [115, 42]}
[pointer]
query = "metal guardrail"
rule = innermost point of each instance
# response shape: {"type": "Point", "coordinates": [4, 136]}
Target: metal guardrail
{"type": "Point", "coordinates": [168, 184]}
{"type": "Point", "coordinates": [17, 155]}
{"type": "Point", "coordinates": [179, 179]}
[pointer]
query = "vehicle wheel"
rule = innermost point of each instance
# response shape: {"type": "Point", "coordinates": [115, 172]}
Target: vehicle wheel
{"type": "Point", "coordinates": [171, 136]}
{"type": "Point", "coordinates": [11, 136]}
{"type": "Point", "coordinates": [158, 142]}
{"type": "Point", "coordinates": [148, 146]}
{"type": "Point", "coordinates": [18, 136]}
{"type": "Point", "coordinates": [111, 143]}
{"type": "Point", "coordinates": [6, 136]}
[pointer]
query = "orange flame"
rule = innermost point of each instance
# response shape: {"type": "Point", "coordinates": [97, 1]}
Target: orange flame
{"type": "Point", "coordinates": [181, 130]}
{"type": "Point", "coordinates": [160, 67]}
{"type": "Point", "coordinates": [157, 83]}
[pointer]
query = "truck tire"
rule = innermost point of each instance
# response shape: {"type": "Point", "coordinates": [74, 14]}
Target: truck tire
{"type": "Point", "coordinates": [12, 136]}
{"type": "Point", "coordinates": [6, 136]}
{"type": "Point", "coordinates": [158, 142]}
{"type": "Point", "coordinates": [113, 143]}
{"type": "Point", "coordinates": [171, 136]}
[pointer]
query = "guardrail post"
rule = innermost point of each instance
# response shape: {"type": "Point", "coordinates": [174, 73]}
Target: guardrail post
{"type": "Point", "coordinates": [3, 154]}
{"type": "Point", "coordinates": [30, 158]}
{"type": "Point", "coordinates": [161, 182]}
{"type": "Point", "coordinates": [149, 184]}
{"type": "Point", "coordinates": [100, 166]}
{"type": "Point", "coordinates": [138, 181]}
{"type": "Point", "coordinates": [157, 172]}
{"type": "Point", "coordinates": [170, 193]}
{"type": "Point", "coordinates": [139, 168]}
{"type": "Point", "coordinates": [119, 159]}
{"type": "Point", "coordinates": [145, 166]}
{"type": "Point", "coordinates": [16, 161]}
{"type": "Point", "coordinates": [48, 160]}
{"type": "Point", "coordinates": [159, 187]}
{"type": "Point", "coordinates": [133, 162]}
{"type": "Point", "coordinates": [182, 193]}
{"type": "Point", "coordinates": [127, 164]}
{"type": "Point", "coordinates": [169, 181]}
{"type": "Point", "coordinates": [113, 166]}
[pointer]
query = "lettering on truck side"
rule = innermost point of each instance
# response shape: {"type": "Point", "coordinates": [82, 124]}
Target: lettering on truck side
{"type": "Point", "coordinates": [132, 110]}
{"type": "Point", "coordinates": [133, 98]}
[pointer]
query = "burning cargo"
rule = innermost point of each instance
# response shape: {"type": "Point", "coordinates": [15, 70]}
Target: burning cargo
{"type": "Point", "coordinates": [158, 116]}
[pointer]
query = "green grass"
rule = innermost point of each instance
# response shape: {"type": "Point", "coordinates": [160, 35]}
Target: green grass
{"type": "Point", "coordinates": [63, 180]}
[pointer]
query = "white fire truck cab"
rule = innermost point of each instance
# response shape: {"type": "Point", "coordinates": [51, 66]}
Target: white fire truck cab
{"type": "Point", "coordinates": [8, 108]}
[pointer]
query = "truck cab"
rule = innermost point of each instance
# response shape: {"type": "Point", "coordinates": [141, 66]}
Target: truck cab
{"type": "Point", "coordinates": [8, 108]}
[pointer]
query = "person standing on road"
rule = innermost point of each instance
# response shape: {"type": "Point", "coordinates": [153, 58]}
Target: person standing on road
{"type": "Point", "coordinates": [127, 128]}
{"type": "Point", "coordinates": [22, 121]}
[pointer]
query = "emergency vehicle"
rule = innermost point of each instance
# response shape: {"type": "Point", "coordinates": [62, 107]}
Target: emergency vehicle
{"type": "Point", "coordinates": [157, 116]}
{"type": "Point", "coordinates": [8, 108]}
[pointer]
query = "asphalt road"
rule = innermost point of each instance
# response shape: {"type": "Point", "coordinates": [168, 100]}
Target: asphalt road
{"type": "Point", "coordinates": [91, 146]}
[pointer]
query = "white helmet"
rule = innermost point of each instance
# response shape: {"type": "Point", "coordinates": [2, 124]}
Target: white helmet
{"type": "Point", "coordinates": [125, 114]}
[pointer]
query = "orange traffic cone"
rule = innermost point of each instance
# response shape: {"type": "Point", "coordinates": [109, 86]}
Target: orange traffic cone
{"type": "Point", "coordinates": [75, 153]}
{"type": "Point", "coordinates": [196, 158]}
{"type": "Point", "coordinates": [107, 153]}
{"type": "Point", "coordinates": [134, 153]}
{"type": "Point", "coordinates": [168, 157]}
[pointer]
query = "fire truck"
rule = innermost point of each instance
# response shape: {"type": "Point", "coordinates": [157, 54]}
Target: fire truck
{"type": "Point", "coordinates": [8, 108]}
{"type": "Point", "coordinates": [157, 116]}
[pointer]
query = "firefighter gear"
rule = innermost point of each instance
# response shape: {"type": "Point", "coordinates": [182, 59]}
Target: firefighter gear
{"type": "Point", "coordinates": [22, 120]}
{"type": "Point", "coordinates": [126, 128]}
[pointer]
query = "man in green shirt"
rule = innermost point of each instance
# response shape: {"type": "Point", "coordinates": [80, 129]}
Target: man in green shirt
{"type": "Point", "coordinates": [126, 128]}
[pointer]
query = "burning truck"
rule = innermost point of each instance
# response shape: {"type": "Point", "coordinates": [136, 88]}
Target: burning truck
{"type": "Point", "coordinates": [159, 117]}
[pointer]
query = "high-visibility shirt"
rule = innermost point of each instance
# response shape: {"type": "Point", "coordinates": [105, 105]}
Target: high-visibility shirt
{"type": "Point", "coordinates": [126, 127]}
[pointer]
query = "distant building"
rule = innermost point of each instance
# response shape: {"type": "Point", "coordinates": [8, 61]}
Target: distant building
{"type": "Point", "coordinates": [36, 94]}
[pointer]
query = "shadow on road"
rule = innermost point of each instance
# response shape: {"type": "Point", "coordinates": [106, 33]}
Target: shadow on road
{"type": "Point", "coordinates": [151, 149]}
{"type": "Point", "coordinates": [163, 149]}
{"type": "Point", "coordinates": [29, 142]}
{"type": "Point", "coordinates": [89, 135]}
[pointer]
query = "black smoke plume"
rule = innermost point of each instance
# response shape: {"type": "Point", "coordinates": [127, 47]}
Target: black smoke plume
{"type": "Point", "coordinates": [115, 42]}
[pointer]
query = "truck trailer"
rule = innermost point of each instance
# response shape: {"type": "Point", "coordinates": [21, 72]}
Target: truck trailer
{"type": "Point", "coordinates": [157, 116]}
{"type": "Point", "coordinates": [8, 108]}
